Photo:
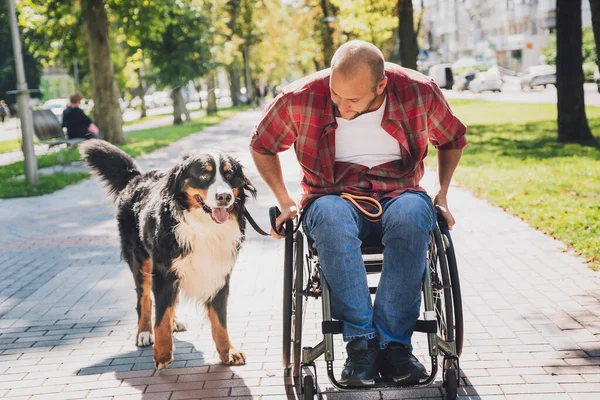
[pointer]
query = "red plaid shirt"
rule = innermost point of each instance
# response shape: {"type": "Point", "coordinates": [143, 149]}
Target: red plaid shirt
{"type": "Point", "coordinates": [303, 116]}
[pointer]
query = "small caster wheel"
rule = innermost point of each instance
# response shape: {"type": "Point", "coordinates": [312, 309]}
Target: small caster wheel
{"type": "Point", "coordinates": [309, 388]}
{"type": "Point", "coordinates": [451, 383]}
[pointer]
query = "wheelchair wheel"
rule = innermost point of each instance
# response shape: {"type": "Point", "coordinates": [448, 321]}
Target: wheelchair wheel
{"type": "Point", "coordinates": [288, 273]}
{"type": "Point", "coordinates": [456, 293]}
{"type": "Point", "coordinates": [446, 293]}
{"type": "Point", "coordinates": [298, 304]}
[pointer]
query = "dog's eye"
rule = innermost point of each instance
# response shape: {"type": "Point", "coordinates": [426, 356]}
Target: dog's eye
{"type": "Point", "coordinates": [204, 176]}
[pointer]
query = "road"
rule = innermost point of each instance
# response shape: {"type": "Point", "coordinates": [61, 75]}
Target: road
{"type": "Point", "coordinates": [511, 92]}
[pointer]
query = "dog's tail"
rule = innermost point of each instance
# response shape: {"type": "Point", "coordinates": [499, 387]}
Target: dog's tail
{"type": "Point", "coordinates": [111, 164]}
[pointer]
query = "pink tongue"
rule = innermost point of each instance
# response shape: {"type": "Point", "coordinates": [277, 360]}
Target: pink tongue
{"type": "Point", "coordinates": [220, 215]}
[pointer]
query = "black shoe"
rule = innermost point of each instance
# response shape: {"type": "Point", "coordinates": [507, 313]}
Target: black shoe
{"type": "Point", "coordinates": [360, 368]}
{"type": "Point", "coordinates": [398, 364]}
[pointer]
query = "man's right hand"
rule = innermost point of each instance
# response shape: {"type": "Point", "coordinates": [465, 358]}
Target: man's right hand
{"type": "Point", "coordinates": [288, 213]}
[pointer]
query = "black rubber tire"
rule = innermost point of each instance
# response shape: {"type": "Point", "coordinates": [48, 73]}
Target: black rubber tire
{"type": "Point", "coordinates": [288, 273]}
{"type": "Point", "coordinates": [456, 292]}
{"type": "Point", "coordinates": [298, 302]}
{"type": "Point", "coordinates": [309, 388]}
{"type": "Point", "coordinates": [451, 380]}
{"type": "Point", "coordinates": [445, 311]}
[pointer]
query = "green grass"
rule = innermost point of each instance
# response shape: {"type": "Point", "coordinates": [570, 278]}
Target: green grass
{"type": "Point", "coordinates": [10, 145]}
{"type": "Point", "coordinates": [520, 167]}
{"type": "Point", "coordinates": [138, 143]}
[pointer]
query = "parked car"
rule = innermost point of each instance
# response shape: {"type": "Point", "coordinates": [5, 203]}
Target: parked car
{"type": "Point", "coordinates": [488, 80]}
{"type": "Point", "coordinates": [538, 75]}
{"type": "Point", "coordinates": [161, 99]}
{"type": "Point", "coordinates": [462, 82]}
{"type": "Point", "coordinates": [442, 75]}
{"type": "Point", "coordinates": [57, 106]}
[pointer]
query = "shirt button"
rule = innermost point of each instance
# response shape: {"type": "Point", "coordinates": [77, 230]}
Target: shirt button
{"type": "Point", "coordinates": [375, 194]}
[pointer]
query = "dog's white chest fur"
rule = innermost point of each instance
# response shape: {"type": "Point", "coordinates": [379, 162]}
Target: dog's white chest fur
{"type": "Point", "coordinates": [213, 253]}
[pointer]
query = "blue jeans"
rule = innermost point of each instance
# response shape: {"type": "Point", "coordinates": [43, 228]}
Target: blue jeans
{"type": "Point", "coordinates": [337, 228]}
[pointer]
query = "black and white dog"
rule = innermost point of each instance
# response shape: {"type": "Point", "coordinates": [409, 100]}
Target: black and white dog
{"type": "Point", "coordinates": [181, 230]}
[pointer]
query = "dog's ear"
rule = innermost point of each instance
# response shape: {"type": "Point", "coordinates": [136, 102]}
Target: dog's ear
{"type": "Point", "coordinates": [176, 175]}
{"type": "Point", "coordinates": [174, 180]}
{"type": "Point", "coordinates": [247, 185]}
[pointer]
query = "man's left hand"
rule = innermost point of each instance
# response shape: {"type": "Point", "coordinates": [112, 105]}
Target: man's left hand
{"type": "Point", "coordinates": [441, 205]}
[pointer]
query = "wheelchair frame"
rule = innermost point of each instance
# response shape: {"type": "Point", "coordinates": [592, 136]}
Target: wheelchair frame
{"type": "Point", "coordinates": [443, 317]}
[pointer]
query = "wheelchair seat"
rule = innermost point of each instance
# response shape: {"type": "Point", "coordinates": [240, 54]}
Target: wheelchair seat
{"type": "Point", "coordinates": [370, 245]}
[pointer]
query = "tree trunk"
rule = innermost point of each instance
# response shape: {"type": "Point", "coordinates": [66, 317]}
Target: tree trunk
{"type": "Point", "coordinates": [234, 82]}
{"type": "Point", "coordinates": [107, 113]}
{"type": "Point", "coordinates": [140, 91]}
{"type": "Point", "coordinates": [409, 48]}
{"type": "Point", "coordinates": [327, 32]}
{"type": "Point", "coordinates": [248, 76]}
{"type": "Point", "coordinates": [211, 107]}
{"type": "Point", "coordinates": [595, 8]}
{"type": "Point", "coordinates": [572, 121]}
{"type": "Point", "coordinates": [179, 107]}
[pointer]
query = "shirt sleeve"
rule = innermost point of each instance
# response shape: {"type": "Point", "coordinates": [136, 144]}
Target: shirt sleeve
{"type": "Point", "coordinates": [446, 131]}
{"type": "Point", "coordinates": [276, 131]}
{"type": "Point", "coordinates": [85, 120]}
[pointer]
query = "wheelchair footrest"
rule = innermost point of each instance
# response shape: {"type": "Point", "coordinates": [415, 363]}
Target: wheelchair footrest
{"type": "Point", "coordinates": [333, 327]}
{"type": "Point", "coordinates": [426, 326]}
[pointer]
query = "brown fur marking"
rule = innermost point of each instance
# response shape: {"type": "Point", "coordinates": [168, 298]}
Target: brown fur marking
{"type": "Point", "coordinates": [145, 318]}
{"type": "Point", "coordinates": [227, 353]}
{"type": "Point", "coordinates": [163, 339]}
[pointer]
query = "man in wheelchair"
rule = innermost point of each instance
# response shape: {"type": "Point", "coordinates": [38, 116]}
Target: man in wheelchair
{"type": "Point", "coordinates": [362, 128]}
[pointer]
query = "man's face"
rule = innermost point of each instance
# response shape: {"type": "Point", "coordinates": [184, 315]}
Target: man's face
{"type": "Point", "coordinates": [355, 94]}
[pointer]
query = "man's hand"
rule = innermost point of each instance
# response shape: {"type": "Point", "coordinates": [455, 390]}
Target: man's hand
{"type": "Point", "coordinates": [441, 205]}
{"type": "Point", "coordinates": [288, 213]}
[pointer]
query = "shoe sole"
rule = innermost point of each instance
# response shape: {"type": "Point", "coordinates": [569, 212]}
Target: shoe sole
{"type": "Point", "coordinates": [358, 382]}
{"type": "Point", "coordinates": [409, 379]}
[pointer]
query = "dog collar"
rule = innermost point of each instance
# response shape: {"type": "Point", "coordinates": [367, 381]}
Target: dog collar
{"type": "Point", "coordinates": [204, 206]}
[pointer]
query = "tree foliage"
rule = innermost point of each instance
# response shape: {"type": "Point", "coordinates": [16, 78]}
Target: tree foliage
{"type": "Point", "coordinates": [8, 76]}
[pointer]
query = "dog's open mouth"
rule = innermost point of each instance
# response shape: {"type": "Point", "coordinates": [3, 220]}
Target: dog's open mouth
{"type": "Point", "coordinates": [219, 215]}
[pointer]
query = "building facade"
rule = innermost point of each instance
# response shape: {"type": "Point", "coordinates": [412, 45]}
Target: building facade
{"type": "Point", "coordinates": [509, 33]}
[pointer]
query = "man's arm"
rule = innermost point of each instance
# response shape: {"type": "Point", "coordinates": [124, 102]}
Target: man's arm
{"type": "Point", "coordinates": [269, 168]}
{"type": "Point", "coordinates": [447, 162]}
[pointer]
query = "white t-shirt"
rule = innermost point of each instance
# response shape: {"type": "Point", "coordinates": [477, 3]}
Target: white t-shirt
{"type": "Point", "coordinates": [363, 141]}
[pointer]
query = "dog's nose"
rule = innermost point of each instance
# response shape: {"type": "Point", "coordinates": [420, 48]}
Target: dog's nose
{"type": "Point", "coordinates": [224, 197]}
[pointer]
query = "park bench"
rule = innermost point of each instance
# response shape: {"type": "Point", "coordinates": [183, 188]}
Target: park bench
{"type": "Point", "coordinates": [49, 131]}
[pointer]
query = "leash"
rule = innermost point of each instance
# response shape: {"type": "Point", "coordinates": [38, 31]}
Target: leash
{"type": "Point", "coordinates": [274, 212]}
{"type": "Point", "coordinates": [359, 201]}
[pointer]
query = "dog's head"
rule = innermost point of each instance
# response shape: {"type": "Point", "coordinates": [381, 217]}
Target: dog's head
{"type": "Point", "coordinates": [214, 182]}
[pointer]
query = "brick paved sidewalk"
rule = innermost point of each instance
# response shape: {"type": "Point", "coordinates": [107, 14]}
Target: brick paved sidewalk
{"type": "Point", "coordinates": [67, 305]}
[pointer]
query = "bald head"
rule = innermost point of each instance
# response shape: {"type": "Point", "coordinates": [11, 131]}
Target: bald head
{"type": "Point", "coordinates": [353, 57]}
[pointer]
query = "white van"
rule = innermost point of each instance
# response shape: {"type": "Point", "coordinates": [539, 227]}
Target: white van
{"type": "Point", "coordinates": [442, 75]}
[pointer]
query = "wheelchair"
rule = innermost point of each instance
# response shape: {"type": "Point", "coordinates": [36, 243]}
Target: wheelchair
{"type": "Point", "coordinates": [442, 316]}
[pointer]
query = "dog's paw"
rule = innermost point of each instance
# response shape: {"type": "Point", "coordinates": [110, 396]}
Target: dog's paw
{"type": "Point", "coordinates": [163, 361]}
{"type": "Point", "coordinates": [144, 339]}
{"type": "Point", "coordinates": [179, 325]}
{"type": "Point", "coordinates": [233, 357]}
{"type": "Point", "coordinates": [161, 365]}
